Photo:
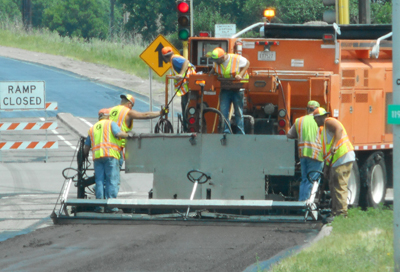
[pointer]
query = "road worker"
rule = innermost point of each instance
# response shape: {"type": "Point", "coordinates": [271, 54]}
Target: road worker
{"type": "Point", "coordinates": [339, 157]}
{"type": "Point", "coordinates": [307, 132]}
{"type": "Point", "coordinates": [106, 154]}
{"type": "Point", "coordinates": [124, 115]}
{"type": "Point", "coordinates": [231, 66]}
{"type": "Point", "coordinates": [181, 69]}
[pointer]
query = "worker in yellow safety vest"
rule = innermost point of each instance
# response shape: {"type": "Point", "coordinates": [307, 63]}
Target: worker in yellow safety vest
{"type": "Point", "coordinates": [181, 70]}
{"type": "Point", "coordinates": [339, 157]}
{"type": "Point", "coordinates": [124, 115]}
{"type": "Point", "coordinates": [106, 154]}
{"type": "Point", "coordinates": [308, 136]}
{"type": "Point", "coordinates": [235, 67]}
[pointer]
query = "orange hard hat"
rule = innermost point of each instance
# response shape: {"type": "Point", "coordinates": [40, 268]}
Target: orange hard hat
{"type": "Point", "coordinates": [166, 51]}
{"type": "Point", "coordinates": [217, 53]}
{"type": "Point", "coordinates": [104, 112]}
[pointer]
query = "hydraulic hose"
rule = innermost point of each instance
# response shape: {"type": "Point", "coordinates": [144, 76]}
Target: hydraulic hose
{"type": "Point", "coordinates": [164, 125]}
{"type": "Point", "coordinates": [221, 118]}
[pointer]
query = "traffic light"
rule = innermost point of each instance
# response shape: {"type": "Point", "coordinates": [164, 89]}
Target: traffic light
{"type": "Point", "coordinates": [329, 16]}
{"type": "Point", "coordinates": [183, 20]}
{"type": "Point", "coordinates": [339, 15]}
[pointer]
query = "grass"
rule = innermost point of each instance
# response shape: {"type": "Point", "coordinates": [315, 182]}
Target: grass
{"type": "Point", "coordinates": [361, 242]}
{"type": "Point", "coordinates": [121, 53]}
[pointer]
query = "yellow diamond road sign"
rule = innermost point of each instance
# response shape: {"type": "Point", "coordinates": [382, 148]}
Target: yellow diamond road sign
{"type": "Point", "coordinates": [153, 57]}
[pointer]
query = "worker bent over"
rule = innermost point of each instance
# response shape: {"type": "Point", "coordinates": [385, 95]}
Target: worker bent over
{"type": "Point", "coordinates": [339, 157]}
{"type": "Point", "coordinates": [231, 66]}
{"type": "Point", "coordinates": [181, 69]}
{"type": "Point", "coordinates": [306, 130]}
{"type": "Point", "coordinates": [106, 154]}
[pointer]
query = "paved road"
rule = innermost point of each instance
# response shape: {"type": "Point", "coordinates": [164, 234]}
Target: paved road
{"type": "Point", "coordinates": [77, 95]}
{"type": "Point", "coordinates": [29, 189]}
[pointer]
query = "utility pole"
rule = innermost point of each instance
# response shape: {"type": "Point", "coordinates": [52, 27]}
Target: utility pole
{"type": "Point", "coordinates": [364, 11]}
{"type": "Point", "coordinates": [396, 133]}
{"type": "Point", "coordinates": [27, 14]}
{"type": "Point", "coordinates": [112, 4]}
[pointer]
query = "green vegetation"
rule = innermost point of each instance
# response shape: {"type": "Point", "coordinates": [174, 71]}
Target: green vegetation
{"type": "Point", "coordinates": [147, 19]}
{"type": "Point", "coordinates": [122, 54]}
{"type": "Point", "coordinates": [362, 242]}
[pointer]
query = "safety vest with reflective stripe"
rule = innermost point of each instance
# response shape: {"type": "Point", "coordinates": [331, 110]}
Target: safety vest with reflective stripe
{"type": "Point", "coordinates": [309, 138]}
{"type": "Point", "coordinates": [104, 144]}
{"type": "Point", "coordinates": [232, 69]}
{"type": "Point", "coordinates": [342, 147]}
{"type": "Point", "coordinates": [183, 87]}
{"type": "Point", "coordinates": [118, 115]}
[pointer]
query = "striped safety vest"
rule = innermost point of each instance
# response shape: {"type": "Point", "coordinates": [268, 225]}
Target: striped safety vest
{"type": "Point", "coordinates": [343, 146]}
{"type": "Point", "coordinates": [104, 144]}
{"type": "Point", "coordinates": [118, 115]}
{"type": "Point", "coordinates": [231, 70]}
{"type": "Point", "coordinates": [183, 87]}
{"type": "Point", "coordinates": [309, 138]}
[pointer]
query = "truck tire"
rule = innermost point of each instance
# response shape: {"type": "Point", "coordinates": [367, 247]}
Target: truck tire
{"type": "Point", "coordinates": [374, 180]}
{"type": "Point", "coordinates": [354, 186]}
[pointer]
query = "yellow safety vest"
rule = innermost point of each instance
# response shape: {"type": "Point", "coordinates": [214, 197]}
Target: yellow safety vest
{"type": "Point", "coordinates": [342, 147]}
{"type": "Point", "coordinates": [309, 134]}
{"type": "Point", "coordinates": [183, 87]}
{"type": "Point", "coordinates": [118, 115]}
{"type": "Point", "coordinates": [104, 144]}
{"type": "Point", "coordinates": [231, 70]}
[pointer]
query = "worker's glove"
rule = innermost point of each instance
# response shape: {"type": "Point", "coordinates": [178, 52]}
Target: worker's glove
{"type": "Point", "coordinates": [164, 110]}
{"type": "Point", "coordinates": [131, 134]}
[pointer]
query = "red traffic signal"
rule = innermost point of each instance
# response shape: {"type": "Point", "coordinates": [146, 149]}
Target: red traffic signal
{"type": "Point", "coordinates": [183, 9]}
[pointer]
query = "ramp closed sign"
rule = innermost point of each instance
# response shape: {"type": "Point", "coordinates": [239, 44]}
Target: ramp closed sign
{"type": "Point", "coordinates": [22, 95]}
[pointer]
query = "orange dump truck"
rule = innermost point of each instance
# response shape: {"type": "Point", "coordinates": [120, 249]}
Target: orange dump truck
{"type": "Point", "coordinates": [347, 69]}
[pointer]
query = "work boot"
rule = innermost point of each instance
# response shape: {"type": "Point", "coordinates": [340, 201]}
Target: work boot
{"type": "Point", "coordinates": [328, 219]}
{"type": "Point", "coordinates": [114, 210]}
{"type": "Point", "coordinates": [98, 210]}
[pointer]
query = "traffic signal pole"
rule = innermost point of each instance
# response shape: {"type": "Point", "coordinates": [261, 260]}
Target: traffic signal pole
{"type": "Point", "coordinates": [344, 17]}
{"type": "Point", "coordinates": [396, 133]}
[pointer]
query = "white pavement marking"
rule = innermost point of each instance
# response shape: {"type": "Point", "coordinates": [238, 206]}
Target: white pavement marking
{"type": "Point", "coordinates": [86, 122]}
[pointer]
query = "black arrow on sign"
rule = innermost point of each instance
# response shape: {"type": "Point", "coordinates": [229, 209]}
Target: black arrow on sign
{"type": "Point", "coordinates": [160, 57]}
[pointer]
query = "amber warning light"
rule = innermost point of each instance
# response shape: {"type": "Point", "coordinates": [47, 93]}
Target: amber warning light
{"type": "Point", "coordinates": [200, 82]}
{"type": "Point", "coordinates": [269, 13]}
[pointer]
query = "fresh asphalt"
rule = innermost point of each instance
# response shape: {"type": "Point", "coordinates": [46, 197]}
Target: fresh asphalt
{"type": "Point", "coordinates": [32, 188]}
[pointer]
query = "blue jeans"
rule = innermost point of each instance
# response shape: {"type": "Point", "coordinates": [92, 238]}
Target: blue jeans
{"type": "Point", "coordinates": [106, 176]}
{"type": "Point", "coordinates": [308, 165]}
{"type": "Point", "coordinates": [236, 97]}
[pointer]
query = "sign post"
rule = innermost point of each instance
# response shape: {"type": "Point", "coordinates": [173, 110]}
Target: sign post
{"type": "Point", "coordinates": [153, 57]}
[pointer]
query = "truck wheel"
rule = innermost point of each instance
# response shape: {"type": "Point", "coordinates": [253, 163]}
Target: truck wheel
{"type": "Point", "coordinates": [353, 186]}
{"type": "Point", "coordinates": [375, 179]}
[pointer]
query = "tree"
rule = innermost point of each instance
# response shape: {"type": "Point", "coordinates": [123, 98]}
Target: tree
{"type": "Point", "coordinates": [9, 9]}
{"type": "Point", "coordinates": [80, 18]}
{"type": "Point", "coordinates": [150, 18]}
